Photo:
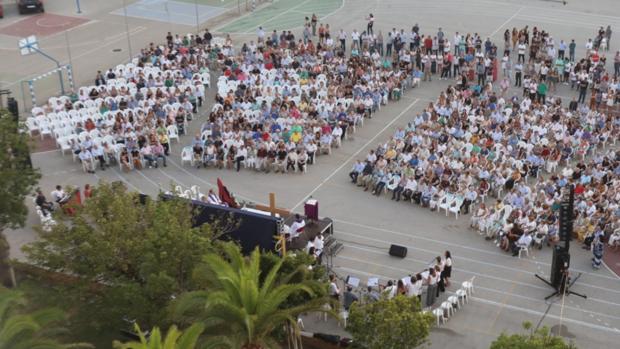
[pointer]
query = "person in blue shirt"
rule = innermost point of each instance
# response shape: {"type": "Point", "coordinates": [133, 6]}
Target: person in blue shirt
{"type": "Point", "coordinates": [275, 128]}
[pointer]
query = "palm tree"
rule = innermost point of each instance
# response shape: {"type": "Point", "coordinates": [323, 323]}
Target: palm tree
{"type": "Point", "coordinates": [175, 339]}
{"type": "Point", "coordinates": [243, 310]}
{"type": "Point", "coordinates": [28, 330]}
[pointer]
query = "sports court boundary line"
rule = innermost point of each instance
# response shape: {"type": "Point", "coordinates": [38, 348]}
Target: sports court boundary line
{"type": "Point", "coordinates": [459, 246]}
{"type": "Point", "coordinates": [354, 155]}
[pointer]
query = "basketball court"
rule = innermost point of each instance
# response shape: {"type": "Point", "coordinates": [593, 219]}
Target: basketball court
{"type": "Point", "coordinates": [179, 12]}
{"type": "Point", "coordinates": [44, 24]}
{"type": "Point", "coordinates": [282, 15]}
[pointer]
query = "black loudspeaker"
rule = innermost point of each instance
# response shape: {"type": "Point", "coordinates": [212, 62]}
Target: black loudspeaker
{"type": "Point", "coordinates": [13, 108]}
{"type": "Point", "coordinates": [398, 251]}
{"type": "Point", "coordinates": [329, 338]}
{"type": "Point", "coordinates": [559, 265]}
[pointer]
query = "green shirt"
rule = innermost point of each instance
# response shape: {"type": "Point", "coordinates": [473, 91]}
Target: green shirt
{"type": "Point", "coordinates": [542, 88]}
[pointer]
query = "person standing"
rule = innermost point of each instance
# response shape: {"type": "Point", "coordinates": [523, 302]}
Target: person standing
{"type": "Point", "coordinates": [447, 269]}
{"type": "Point", "coordinates": [617, 64]}
{"type": "Point", "coordinates": [342, 36]}
{"type": "Point", "coordinates": [561, 49]}
{"type": "Point", "coordinates": [355, 39]}
{"type": "Point", "coordinates": [388, 45]}
{"type": "Point", "coordinates": [608, 36]}
{"type": "Point", "coordinates": [481, 71]}
{"type": "Point", "coordinates": [583, 89]}
{"type": "Point", "coordinates": [571, 50]}
{"type": "Point", "coordinates": [371, 22]}
{"type": "Point", "coordinates": [518, 74]}
{"type": "Point", "coordinates": [431, 292]}
{"type": "Point", "coordinates": [597, 247]}
{"type": "Point", "coordinates": [313, 22]}
{"type": "Point", "coordinates": [379, 43]}
{"type": "Point", "coordinates": [542, 91]}
{"type": "Point", "coordinates": [521, 51]}
{"type": "Point", "coordinates": [334, 291]}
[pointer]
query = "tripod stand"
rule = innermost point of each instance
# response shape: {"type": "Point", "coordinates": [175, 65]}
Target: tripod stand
{"type": "Point", "coordinates": [564, 287]}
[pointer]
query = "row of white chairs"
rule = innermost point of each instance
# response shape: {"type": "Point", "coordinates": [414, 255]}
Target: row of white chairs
{"type": "Point", "coordinates": [455, 302]}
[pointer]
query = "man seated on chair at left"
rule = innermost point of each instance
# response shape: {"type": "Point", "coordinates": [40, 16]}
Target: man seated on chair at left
{"type": "Point", "coordinates": [524, 241]}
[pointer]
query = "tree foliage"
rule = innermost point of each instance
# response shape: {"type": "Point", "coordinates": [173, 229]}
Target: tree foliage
{"type": "Point", "coordinates": [174, 339]}
{"type": "Point", "coordinates": [17, 180]}
{"type": "Point", "coordinates": [396, 323]}
{"type": "Point", "coordinates": [22, 330]}
{"type": "Point", "coordinates": [17, 177]}
{"type": "Point", "coordinates": [244, 305]}
{"type": "Point", "coordinates": [131, 258]}
{"type": "Point", "coordinates": [533, 339]}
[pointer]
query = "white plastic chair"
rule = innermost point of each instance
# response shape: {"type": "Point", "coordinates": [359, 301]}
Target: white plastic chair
{"type": "Point", "coordinates": [456, 304]}
{"type": "Point", "coordinates": [456, 207]}
{"type": "Point", "coordinates": [187, 155]}
{"type": "Point", "coordinates": [439, 315]}
{"type": "Point", "coordinates": [462, 294]}
{"type": "Point", "coordinates": [524, 249]}
{"type": "Point", "coordinates": [468, 285]}
{"type": "Point", "coordinates": [344, 316]}
{"type": "Point", "coordinates": [173, 132]}
{"type": "Point", "coordinates": [447, 308]}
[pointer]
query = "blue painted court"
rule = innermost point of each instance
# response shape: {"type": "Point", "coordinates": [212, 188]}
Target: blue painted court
{"type": "Point", "coordinates": [178, 12]}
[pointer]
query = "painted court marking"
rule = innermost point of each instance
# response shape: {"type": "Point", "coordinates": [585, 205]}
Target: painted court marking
{"type": "Point", "coordinates": [354, 155]}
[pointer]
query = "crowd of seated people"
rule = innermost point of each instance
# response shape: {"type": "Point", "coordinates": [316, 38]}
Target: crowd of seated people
{"type": "Point", "coordinates": [466, 146]}
{"type": "Point", "coordinates": [133, 110]}
{"type": "Point", "coordinates": [279, 105]}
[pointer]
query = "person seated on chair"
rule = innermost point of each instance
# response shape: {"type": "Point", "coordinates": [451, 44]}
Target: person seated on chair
{"type": "Point", "coordinates": [614, 240]}
{"type": "Point", "coordinates": [158, 153]}
{"type": "Point", "coordinates": [381, 183]}
{"type": "Point", "coordinates": [46, 206]}
{"type": "Point", "coordinates": [297, 227]}
{"type": "Point", "coordinates": [213, 199]}
{"type": "Point", "coordinates": [97, 153]}
{"type": "Point", "coordinates": [524, 241]}
{"type": "Point", "coordinates": [240, 156]}
{"type": "Point", "coordinates": [478, 216]}
{"type": "Point", "coordinates": [280, 162]}
{"type": "Point", "coordinates": [302, 160]}
{"type": "Point", "coordinates": [59, 196]}
{"type": "Point", "coordinates": [348, 298]}
{"type": "Point", "coordinates": [86, 157]}
{"type": "Point", "coordinates": [124, 157]}
{"type": "Point", "coordinates": [291, 160]}
{"type": "Point", "coordinates": [147, 154]}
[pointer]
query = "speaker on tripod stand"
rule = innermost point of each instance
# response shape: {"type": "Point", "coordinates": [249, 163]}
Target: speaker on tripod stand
{"type": "Point", "coordinates": [560, 279]}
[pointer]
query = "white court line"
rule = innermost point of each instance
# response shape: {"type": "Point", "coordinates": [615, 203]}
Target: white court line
{"type": "Point", "coordinates": [156, 185]}
{"type": "Point", "coordinates": [124, 180]}
{"type": "Point", "coordinates": [501, 305]}
{"type": "Point", "coordinates": [425, 263]}
{"type": "Point", "coordinates": [530, 299]}
{"type": "Point", "coordinates": [131, 32]}
{"type": "Point", "coordinates": [280, 14]}
{"type": "Point", "coordinates": [507, 21]}
{"type": "Point", "coordinates": [458, 245]}
{"type": "Point", "coordinates": [354, 155]}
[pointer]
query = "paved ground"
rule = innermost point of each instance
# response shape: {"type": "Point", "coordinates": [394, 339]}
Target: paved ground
{"type": "Point", "coordinates": [506, 291]}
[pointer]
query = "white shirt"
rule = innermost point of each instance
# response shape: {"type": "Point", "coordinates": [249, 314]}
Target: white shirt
{"type": "Point", "coordinates": [333, 289]}
{"type": "Point", "coordinates": [58, 195]}
{"type": "Point", "coordinates": [524, 240]}
{"type": "Point", "coordinates": [296, 228]}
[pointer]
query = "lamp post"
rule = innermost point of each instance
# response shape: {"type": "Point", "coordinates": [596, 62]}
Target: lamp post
{"type": "Point", "coordinates": [197, 17]}
{"type": "Point", "coordinates": [127, 29]}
